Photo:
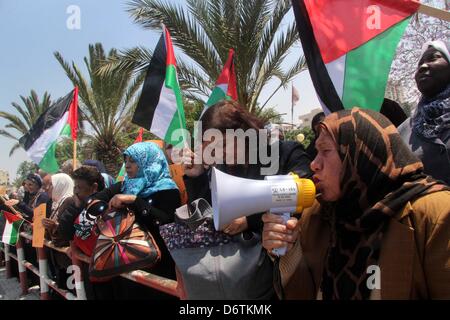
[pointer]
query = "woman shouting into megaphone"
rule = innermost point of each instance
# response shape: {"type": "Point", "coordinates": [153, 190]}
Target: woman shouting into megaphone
{"type": "Point", "coordinates": [232, 142]}
{"type": "Point", "coordinates": [224, 122]}
{"type": "Point", "coordinates": [382, 227]}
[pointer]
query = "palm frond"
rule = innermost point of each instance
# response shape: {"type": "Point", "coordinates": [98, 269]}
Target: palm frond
{"type": "Point", "coordinates": [14, 148]}
{"type": "Point", "coordinates": [185, 31]}
{"type": "Point", "coordinates": [128, 60]}
{"type": "Point", "coordinates": [7, 135]}
{"type": "Point", "coordinates": [15, 122]}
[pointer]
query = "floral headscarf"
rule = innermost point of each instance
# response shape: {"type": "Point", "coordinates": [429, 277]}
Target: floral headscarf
{"type": "Point", "coordinates": [153, 174]}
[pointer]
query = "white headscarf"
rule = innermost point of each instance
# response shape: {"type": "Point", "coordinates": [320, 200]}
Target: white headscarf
{"type": "Point", "coordinates": [62, 188]}
{"type": "Point", "coordinates": [439, 45]}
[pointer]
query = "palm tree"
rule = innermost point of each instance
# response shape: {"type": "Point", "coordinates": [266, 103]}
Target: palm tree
{"type": "Point", "coordinates": [206, 30]}
{"type": "Point", "coordinates": [30, 111]}
{"type": "Point", "coordinates": [105, 102]}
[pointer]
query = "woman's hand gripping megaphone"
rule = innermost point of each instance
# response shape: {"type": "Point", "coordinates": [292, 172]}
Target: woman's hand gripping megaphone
{"type": "Point", "coordinates": [277, 233]}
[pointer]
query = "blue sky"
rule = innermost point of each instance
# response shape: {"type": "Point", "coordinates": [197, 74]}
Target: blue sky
{"type": "Point", "coordinates": [30, 31]}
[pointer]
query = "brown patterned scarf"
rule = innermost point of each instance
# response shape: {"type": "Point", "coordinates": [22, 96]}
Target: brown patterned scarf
{"type": "Point", "coordinates": [380, 175]}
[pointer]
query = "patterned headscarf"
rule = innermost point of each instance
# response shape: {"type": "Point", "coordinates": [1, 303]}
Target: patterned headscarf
{"type": "Point", "coordinates": [379, 176]}
{"type": "Point", "coordinates": [153, 174]}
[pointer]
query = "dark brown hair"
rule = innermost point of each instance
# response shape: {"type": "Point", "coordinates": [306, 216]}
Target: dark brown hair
{"type": "Point", "coordinates": [228, 114]}
{"type": "Point", "coordinates": [91, 175]}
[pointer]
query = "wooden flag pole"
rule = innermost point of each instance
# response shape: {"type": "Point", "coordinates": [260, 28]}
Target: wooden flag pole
{"type": "Point", "coordinates": [74, 155]}
{"type": "Point", "coordinates": [434, 12]}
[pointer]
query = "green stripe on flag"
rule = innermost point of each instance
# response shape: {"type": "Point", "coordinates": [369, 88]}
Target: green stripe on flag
{"type": "Point", "coordinates": [15, 232]}
{"type": "Point", "coordinates": [10, 232]}
{"type": "Point", "coordinates": [121, 174]}
{"type": "Point", "coordinates": [66, 131]}
{"type": "Point", "coordinates": [367, 69]}
{"type": "Point", "coordinates": [49, 163]}
{"type": "Point", "coordinates": [216, 95]}
{"type": "Point", "coordinates": [179, 119]}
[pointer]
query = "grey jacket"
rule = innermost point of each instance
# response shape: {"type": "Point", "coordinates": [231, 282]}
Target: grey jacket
{"type": "Point", "coordinates": [435, 155]}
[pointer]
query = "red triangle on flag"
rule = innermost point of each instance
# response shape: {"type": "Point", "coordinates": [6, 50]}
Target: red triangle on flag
{"type": "Point", "coordinates": [341, 26]}
{"type": "Point", "coordinates": [73, 114]}
{"type": "Point", "coordinates": [170, 60]}
{"type": "Point", "coordinates": [139, 136]}
{"type": "Point", "coordinates": [228, 76]}
{"type": "Point", "coordinates": [10, 217]}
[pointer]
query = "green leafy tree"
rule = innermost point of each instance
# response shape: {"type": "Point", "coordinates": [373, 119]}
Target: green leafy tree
{"type": "Point", "coordinates": [24, 169]}
{"type": "Point", "coordinates": [307, 132]}
{"type": "Point", "coordinates": [106, 101]}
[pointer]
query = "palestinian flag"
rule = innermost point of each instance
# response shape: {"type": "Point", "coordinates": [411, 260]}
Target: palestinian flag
{"type": "Point", "coordinates": [58, 120]}
{"type": "Point", "coordinates": [349, 47]}
{"type": "Point", "coordinates": [160, 107]}
{"type": "Point", "coordinates": [226, 83]}
{"type": "Point", "coordinates": [121, 174]}
{"type": "Point", "coordinates": [9, 227]}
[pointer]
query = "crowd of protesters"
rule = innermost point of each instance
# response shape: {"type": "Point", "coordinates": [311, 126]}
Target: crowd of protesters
{"type": "Point", "coordinates": [383, 200]}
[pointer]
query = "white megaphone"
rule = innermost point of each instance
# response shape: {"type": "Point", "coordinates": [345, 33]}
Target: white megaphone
{"type": "Point", "coordinates": [234, 197]}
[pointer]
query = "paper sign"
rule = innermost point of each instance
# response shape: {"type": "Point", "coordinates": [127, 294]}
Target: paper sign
{"type": "Point", "coordinates": [38, 228]}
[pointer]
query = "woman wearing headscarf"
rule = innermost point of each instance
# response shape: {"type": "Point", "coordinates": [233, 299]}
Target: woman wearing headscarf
{"type": "Point", "coordinates": [381, 229]}
{"type": "Point", "coordinates": [61, 191]}
{"type": "Point", "coordinates": [150, 192]}
{"type": "Point", "coordinates": [34, 196]}
{"type": "Point", "coordinates": [427, 132]}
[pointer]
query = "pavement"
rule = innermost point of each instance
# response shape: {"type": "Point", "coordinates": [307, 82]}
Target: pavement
{"type": "Point", "coordinates": [10, 289]}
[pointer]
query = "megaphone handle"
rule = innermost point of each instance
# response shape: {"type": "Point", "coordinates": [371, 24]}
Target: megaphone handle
{"type": "Point", "coordinates": [282, 251]}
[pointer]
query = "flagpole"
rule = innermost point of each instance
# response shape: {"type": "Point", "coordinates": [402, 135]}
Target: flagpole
{"type": "Point", "coordinates": [434, 12]}
{"type": "Point", "coordinates": [74, 155]}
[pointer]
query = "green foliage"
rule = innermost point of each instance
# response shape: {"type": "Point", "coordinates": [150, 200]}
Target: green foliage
{"type": "Point", "coordinates": [192, 110]}
{"type": "Point", "coordinates": [307, 132]}
{"type": "Point", "coordinates": [107, 102]}
{"type": "Point", "coordinates": [24, 169]}
{"type": "Point", "coordinates": [269, 115]}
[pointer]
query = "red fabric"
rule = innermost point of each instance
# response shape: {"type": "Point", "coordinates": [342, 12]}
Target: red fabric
{"type": "Point", "coordinates": [343, 25]}
{"type": "Point", "coordinates": [170, 60]}
{"type": "Point", "coordinates": [228, 75]}
{"type": "Point", "coordinates": [10, 217]}
{"type": "Point", "coordinates": [139, 137]}
{"type": "Point", "coordinates": [73, 114]}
